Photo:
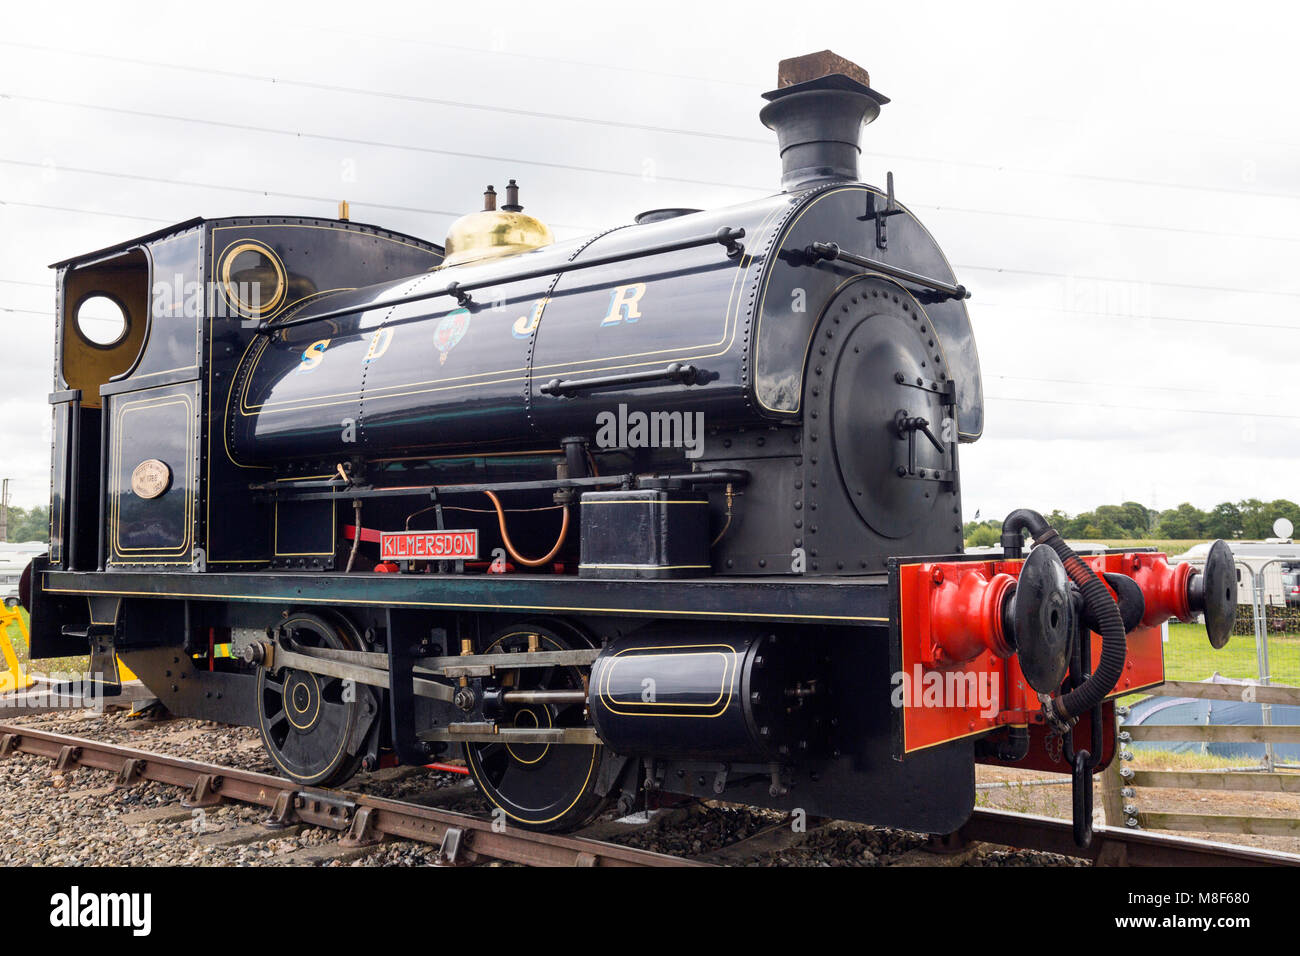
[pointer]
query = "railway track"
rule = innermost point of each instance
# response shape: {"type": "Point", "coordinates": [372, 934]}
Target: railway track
{"type": "Point", "coordinates": [363, 819]}
{"type": "Point", "coordinates": [1111, 846]}
{"type": "Point", "coordinates": [366, 820]}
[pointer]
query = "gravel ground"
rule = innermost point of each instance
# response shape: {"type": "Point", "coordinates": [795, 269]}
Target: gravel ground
{"type": "Point", "coordinates": [711, 827]}
{"type": "Point", "coordinates": [66, 819]}
{"type": "Point", "coordinates": [50, 819]}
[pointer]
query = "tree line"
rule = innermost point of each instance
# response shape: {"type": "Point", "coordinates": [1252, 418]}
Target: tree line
{"type": "Point", "coordinates": [1250, 519]}
{"type": "Point", "coordinates": [28, 524]}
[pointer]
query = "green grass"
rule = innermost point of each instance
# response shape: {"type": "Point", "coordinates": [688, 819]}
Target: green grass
{"type": "Point", "coordinates": [1170, 546]}
{"type": "Point", "coordinates": [1188, 656]}
{"type": "Point", "coordinates": [1169, 760]}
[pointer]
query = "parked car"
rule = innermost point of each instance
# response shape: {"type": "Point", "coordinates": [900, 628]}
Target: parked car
{"type": "Point", "coordinates": [1291, 588]}
{"type": "Point", "coordinates": [13, 558]}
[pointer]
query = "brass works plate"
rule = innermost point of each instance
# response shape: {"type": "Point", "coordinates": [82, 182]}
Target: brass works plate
{"type": "Point", "coordinates": [150, 478]}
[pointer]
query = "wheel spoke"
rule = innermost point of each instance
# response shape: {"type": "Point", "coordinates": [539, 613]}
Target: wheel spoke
{"type": "Point", "coordinates": [550, 787]}
{"type": "Point", "coordinates": [308, 735]}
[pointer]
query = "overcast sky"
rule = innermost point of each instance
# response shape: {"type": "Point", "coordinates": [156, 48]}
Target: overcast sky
{"type": "Point", "coordinates": [1117, 183]}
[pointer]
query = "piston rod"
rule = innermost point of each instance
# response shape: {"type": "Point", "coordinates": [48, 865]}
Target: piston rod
{"type": "Point", "coordinates": [544, 696]}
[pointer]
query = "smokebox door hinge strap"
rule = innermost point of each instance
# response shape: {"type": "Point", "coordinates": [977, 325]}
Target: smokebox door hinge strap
{"type": "Point", "coordinates": [881, 211]}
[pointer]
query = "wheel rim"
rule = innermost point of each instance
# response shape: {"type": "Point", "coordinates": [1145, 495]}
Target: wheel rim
{"type": "Point", "coordinates": [541, 786]}
{"type": "Point", "coordinates": [309, 725]}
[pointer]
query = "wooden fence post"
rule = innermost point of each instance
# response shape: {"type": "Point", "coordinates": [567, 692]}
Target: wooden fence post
{"type": "Point", "coordinates": [1113, 783]}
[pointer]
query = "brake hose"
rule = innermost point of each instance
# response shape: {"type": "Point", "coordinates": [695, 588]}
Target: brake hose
{"type": "Point", "coordinates": [1063, 711]}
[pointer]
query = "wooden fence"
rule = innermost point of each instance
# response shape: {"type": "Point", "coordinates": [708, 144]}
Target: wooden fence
{"type": "Point", "coordinates": [1123, 806]}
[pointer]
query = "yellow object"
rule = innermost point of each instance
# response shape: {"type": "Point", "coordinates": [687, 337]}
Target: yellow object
{"type": "Point", "coordinates": [13, 677]}
{"type": "Point", "coordinates": [493, 233]}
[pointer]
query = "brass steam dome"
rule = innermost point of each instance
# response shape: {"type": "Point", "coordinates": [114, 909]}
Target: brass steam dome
{"type": "Point", "coordinates": [493, 233]}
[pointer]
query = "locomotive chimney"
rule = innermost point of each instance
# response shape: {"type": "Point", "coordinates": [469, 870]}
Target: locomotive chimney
{"type": "Point", "coordinates": [818, 109]}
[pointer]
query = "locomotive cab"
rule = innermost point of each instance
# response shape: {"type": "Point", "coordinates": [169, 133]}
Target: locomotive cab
{"type": "Point", "coordinates": [148, 331]}
{"type": "Point", "coordinates": [103, 323]}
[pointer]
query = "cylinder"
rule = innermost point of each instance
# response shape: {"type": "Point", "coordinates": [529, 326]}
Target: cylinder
{"type": "Point", "coordinates": [727, 694]}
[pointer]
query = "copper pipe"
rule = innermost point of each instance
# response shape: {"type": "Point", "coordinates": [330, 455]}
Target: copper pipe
{"type": "Point", "coordinates": [505, 538]}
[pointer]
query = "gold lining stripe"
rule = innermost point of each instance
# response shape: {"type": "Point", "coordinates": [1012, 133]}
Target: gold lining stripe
{"type": "Point", "coordinates": [227, 258]}
{"type": "Point", "coordinates": [641, 501]}
{"type": "Point", "coordinates": [301, 599]}
{"type": "Point", "coordinates": [649, 567]}
{"type": "Point", "coordinates": [334, 534]}
{"type": "Point", "coordinates": [471, 754]}
{"type": "Point", "coordinates": [119, 416]}
{"type": "Point", "coordinates": [726, 689]}
{"type": "Point", "coordinates": [261, 714]}
{"type": "Point", "coordinates": [948, 740]}
{"type": "Point", "coordinates": [211, 274]}
{"type": "Point", "coordinates": [117, 609]}
{"type": "Point", "coordinates": [731, 322]}
{"type": "Point", "coordinates": [767, 278]}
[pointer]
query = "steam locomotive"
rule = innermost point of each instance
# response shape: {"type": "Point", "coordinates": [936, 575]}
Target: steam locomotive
{"type": "Point", "coordinates": [674, 507]}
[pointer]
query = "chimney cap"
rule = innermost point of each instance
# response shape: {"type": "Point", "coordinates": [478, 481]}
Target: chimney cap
{"type": "Point", "coordinates": [822, 71]}
{"type": "Point", "coordinates": [812, 66]}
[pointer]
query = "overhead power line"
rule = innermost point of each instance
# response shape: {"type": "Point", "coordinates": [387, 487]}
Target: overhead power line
{"type": "Point", "coordinates": [624, 124]}
{"type": "Point", "coordinates": [1141, 408]}
{"type": "Point", "coordinates": [1091, 278]}
{"type": "Point", "coordinates": [385, 94]}
{"type": "Point", "coordinates": [1235, 393]}
{"type": "Point", "coordinates": [222, 187]}
{"type": "Point", "coordinates": [248, 190]}
{"type": "Point", "coordinates": [1217, 234]}
{"type": "Point", "coordinates": [565, 61]}
{"type": "Point", "coordinates": [378, 144]}
{"type": "Point", "coordinates": [1058, 310]}
{"type": "Point", "coordinates": [88, 212]}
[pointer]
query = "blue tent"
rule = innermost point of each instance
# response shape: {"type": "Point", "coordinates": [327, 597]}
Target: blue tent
{"type": "Point", "coordinates": [1187, 710]}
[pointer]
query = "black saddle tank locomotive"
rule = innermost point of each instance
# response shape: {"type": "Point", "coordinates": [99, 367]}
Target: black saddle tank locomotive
{"type": "Point", "coordinates": [633, 513]}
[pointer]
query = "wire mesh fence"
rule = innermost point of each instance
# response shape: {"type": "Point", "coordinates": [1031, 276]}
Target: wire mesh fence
{"type": "Point", "coordinates": [1265, 642]}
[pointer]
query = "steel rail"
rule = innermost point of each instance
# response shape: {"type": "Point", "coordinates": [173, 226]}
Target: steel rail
{"type": "Point", "coordinates": [364, 819]}
{"type": "Point", "coordinates": [1110, 846]}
